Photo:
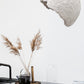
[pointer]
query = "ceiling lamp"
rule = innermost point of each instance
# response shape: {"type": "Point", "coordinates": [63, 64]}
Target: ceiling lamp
{"type": "Point", "coordinates": [68, 10]}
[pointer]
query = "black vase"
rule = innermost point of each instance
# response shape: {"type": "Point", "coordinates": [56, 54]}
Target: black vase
{"type": "Point", "coordinates": [24, 80]}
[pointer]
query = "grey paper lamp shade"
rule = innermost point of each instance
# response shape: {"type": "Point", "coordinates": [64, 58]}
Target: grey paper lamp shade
{"type": "Point", "coordinates": [68, 10]}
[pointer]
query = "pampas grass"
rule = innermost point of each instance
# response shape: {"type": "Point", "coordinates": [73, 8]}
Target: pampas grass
{"type": "Point", "coordinates": [19, 44]}
{"type": "Point", "coordinates": [36, 42]}
{"type": "Point", "coordinates": [35, 45]}
{"type": "Point", "coordinates": [15, 50]}
{"type": "Point", "coordinates": [9, 44]}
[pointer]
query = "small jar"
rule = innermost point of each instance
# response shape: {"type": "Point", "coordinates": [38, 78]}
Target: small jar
{"type": "Point", "coordinates": [24, 78]}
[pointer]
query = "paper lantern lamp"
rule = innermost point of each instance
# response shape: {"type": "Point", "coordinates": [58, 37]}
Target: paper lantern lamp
{"type": "Point", "coordinates": [68, 10]}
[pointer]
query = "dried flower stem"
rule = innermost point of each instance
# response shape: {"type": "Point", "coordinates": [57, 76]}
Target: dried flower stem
{"type": "Point", "coordinates": [35, 45]}
{"type": "Point", "coordinates": [15, 50]}
{"type": "Point", "coordinates": [30, 60]}
{"type": "Point", "coordinates": [24, 65]}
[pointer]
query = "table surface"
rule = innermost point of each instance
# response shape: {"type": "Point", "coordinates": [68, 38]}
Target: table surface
{"type": "Point", "coordinates": [41, 83]}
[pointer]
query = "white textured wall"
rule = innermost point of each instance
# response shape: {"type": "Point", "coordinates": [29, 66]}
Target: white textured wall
{"type": "Point", "coordinates": [61, 58]}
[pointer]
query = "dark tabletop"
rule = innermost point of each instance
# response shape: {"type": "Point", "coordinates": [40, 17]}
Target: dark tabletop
{"type": "Point", "coordinates": [41, 83]}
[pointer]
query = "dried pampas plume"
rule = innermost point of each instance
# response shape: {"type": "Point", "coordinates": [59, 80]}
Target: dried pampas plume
{"type": "Point", "coordinates": [19, 44]}
{"type": "Point", "coordinates": [35, 45]}
{"type": "Point", "coordinates": [9, 44]}
{"type": "Point", "coordinates": [36, 42]}
{"type": "Point", "coordinates": [15, 50]}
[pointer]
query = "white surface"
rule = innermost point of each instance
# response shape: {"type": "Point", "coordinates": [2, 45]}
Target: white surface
{"type": "Point", "coordinates": [68, 10]}
{"type": "Point", "coordinates": [78, 82]}
{"type": "Point", "coordinates": [62, 48]}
